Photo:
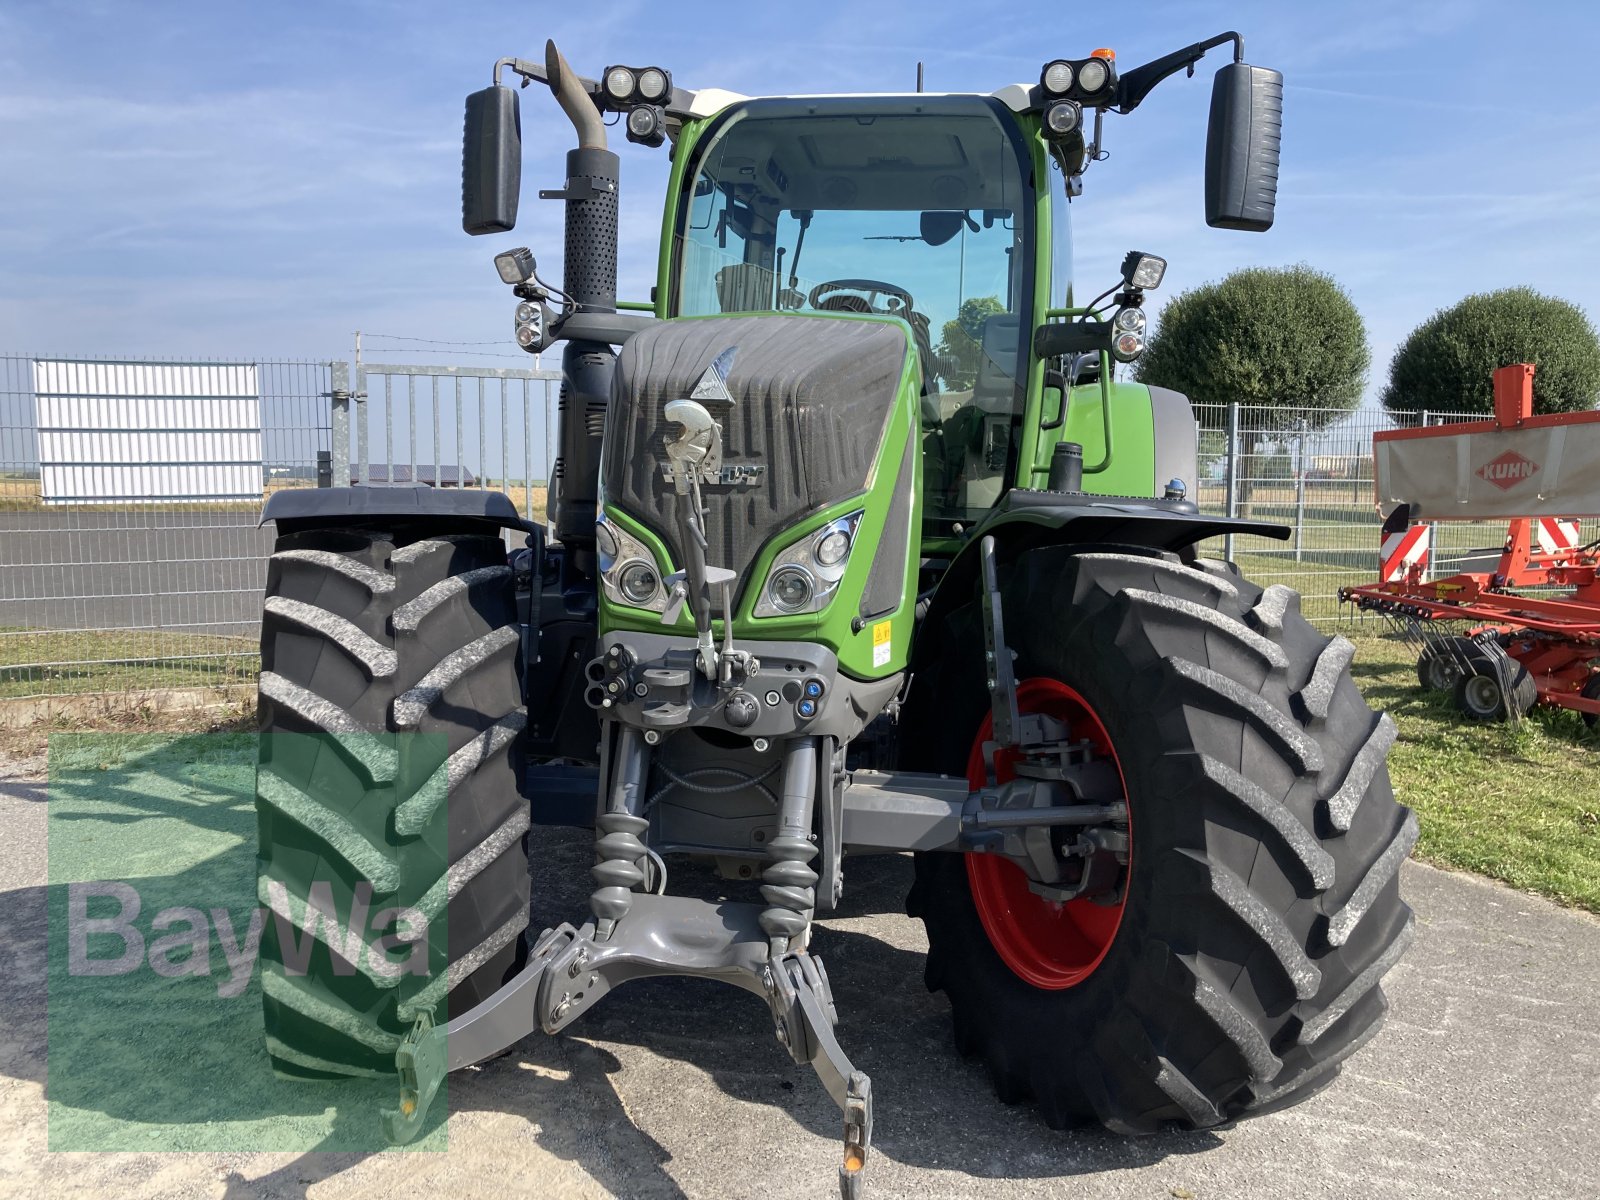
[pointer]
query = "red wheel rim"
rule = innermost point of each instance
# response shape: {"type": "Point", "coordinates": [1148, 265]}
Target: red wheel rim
{"type": "Point", "coordinates": [1052, 946]}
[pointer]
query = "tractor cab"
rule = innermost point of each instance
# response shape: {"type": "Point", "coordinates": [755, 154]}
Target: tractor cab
{"type": "Point", "coordinates": [919, 208]}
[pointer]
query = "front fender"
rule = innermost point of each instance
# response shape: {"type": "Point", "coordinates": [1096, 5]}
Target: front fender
{"type": "Point", "coordinates": [1025, 519]}
{"type": "Point", "coordinates": [321, 508]}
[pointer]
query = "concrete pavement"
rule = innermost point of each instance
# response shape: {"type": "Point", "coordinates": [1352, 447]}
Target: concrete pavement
{"type": "Point", "coordinates": [1485, 1081]}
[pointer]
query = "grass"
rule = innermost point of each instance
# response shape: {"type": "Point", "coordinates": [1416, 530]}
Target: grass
{"type": "Point", "coordinates": [43, 662]}
{"type": "Point", "coordinates": [1518, 803]}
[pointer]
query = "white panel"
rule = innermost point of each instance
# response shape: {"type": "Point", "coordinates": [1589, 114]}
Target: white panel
{"type": "Point", "coordinates": [1496, 475]}
{"type": "Point", "coordinates": [157, 431]}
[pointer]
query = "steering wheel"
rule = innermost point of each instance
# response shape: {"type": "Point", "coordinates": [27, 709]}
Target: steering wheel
{"type": "Point", "coordinates": [872, 287]}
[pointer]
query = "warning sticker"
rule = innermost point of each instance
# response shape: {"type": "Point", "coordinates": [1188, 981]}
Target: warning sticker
{"type": "Point", "coordinates": [881, 646]}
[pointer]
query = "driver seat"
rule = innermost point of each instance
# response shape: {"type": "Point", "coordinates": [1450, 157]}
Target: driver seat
{"type": "Point", "coordinates": [844, 302]}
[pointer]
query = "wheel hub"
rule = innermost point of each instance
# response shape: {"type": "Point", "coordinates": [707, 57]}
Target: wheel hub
{"type": "Point", "coordinates": [1050, 945]}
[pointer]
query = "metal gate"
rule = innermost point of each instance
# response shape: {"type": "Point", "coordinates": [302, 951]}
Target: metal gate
{"type": "Point", "coordinates": [478, 427]}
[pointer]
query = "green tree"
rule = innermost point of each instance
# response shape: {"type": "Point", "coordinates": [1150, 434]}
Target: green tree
{"type": "Point", "coordinates": [961, 341]}
{"type": "Point", "coordinates": [1287, 339]}
{"type": "Point", "coordinates": [1448, 361]}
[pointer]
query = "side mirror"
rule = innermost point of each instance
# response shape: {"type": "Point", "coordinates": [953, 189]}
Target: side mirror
{"type": "Point", "coordinates": [491, 161]}
{"type": "Point", "coordinates": [1242, 147]}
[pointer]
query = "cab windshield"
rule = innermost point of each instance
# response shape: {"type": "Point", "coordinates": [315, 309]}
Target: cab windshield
{"type": "Point", "coordinates": [913, 207]}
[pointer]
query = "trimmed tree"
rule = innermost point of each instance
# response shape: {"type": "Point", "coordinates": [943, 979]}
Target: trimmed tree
{"type": "Point", "coordinates": [1287, 340]}
{"type": "Point", "coordinates": [959, 343]}
{"type": "Point", "coordinates": [1284, 338]}
{"type": "Point", "coordinates": [1447, 363]}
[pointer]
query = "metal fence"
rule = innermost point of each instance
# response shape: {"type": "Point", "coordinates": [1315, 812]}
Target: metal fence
{"type": "Point", "coordinates": [167, 591]}
{"type": "Point", "coordinates": [113, 597]}
{"type": "Point", "coordinates": [1299, 468]}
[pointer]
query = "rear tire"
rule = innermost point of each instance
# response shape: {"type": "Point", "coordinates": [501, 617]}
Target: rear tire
{"type": "Point", "coordinates": [1262, 896]}
{"type": "Point", "coordinates": [390, 705]}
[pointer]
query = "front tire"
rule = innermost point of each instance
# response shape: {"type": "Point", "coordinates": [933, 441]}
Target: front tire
{"type": "Point", "coordinates": [392, 857]}
{"type": "Point", "coordinates": [1262, 899]}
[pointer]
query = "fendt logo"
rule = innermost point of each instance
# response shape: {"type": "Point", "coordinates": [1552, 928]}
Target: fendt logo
{"type": "Point", "coordinates": [1508, 470]}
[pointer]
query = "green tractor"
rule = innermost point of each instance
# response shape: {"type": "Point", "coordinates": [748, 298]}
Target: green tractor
{"type": "Point", "coordinates": [857, 546]}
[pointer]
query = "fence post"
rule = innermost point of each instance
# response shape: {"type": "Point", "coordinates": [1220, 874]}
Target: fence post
{"type": "Point", "coordinates": [1232, 474]}
{"type": "Point", "coordinates": [1300, 496]}
{"type": "Point", "coordinates": [362, 465]}
{"type": "Point", "coordinates": [1433, 530]}
{"type": "Point", "coordinates": [341, 423]}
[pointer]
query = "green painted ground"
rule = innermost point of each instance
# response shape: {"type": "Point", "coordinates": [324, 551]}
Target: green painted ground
{"type": "Point", "coordinates": [147, 1060]}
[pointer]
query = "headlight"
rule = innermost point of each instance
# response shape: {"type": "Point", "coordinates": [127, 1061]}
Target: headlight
{"type": "Point", "coordinates": [606, 543]}
{"type": "Point", "coordinates": [645, 125]}
{"type": "Point", "coordinates": [832, 546]}
{"type": "Point", "coordinates": [1062, 117]}
{"type": "Point", "coordinates": [1143, 271]}
{"type": "Point", "coordinates": [791, 589]}
{"type": "Point", "coordinates": [528, 314]}
{"type": "Point", "coordinates": [515, 266]}
{"type": "Point", "coordinates": [628, 570]}
{"type": "Point", "coordinates": [638, 582]}
{"type": "Point", "coordinates": [1092, 75]}
{"type": "Point", "coordinates": [806, 573]}
{"type": "Point", "coordinates": [653, 83]}
{"type": "Point", "coordinates": [1127, 347]}
{"type": "Point", "coordinates": [1057, 77]}
{"type": "Point", "coordinates": [1129, 320]}
{"type": "Point", "coordinates": [620, 83]}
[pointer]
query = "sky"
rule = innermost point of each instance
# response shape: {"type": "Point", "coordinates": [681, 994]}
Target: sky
{"type": "Point", "coordinates": [217, 179]}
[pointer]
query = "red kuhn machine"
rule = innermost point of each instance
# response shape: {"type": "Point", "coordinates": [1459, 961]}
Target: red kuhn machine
{"type": "Point", "coordinates": [1528, 631]}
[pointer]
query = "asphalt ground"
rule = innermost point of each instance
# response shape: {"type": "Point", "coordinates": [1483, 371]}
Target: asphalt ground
{"type": "Point", "coordinates": [1484, 1082]}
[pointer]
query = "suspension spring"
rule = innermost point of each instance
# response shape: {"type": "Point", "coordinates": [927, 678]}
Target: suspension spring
{"type": "Point", "coordinates": [789, 885]}
{"type": "Point", "coordinates": [618, 845]}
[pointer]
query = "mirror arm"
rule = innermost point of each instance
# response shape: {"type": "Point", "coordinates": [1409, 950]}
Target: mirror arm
{"type": "Point", "coordinates": [679, 104]}
{"type": "Point", "coordinates": [521, 66]}
{"type": "Point", "coordinates": [1134, 86]}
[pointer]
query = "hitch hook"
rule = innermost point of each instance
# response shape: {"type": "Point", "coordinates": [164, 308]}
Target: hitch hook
{"type": "Point", "coordinates": [420, 1061]}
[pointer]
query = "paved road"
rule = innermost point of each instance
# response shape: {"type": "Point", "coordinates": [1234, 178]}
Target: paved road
{"type": "Point", "coordinates": [1485, 1082]}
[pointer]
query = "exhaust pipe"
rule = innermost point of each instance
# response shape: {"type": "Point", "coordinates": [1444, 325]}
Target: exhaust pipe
{"type": "Point", "coordinates": [574, 101]}
{"type": "Point", "coordinates": [591, 281]}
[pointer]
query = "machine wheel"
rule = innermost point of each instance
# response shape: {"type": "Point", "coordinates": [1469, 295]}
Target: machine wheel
{"type": "Point", "coordinates": [1439, 666]}
{"type": "Point", "coordinates": [392, 857]}
{"type": "Point", "coordinates": [1591, 691]}
{"type": "Point", "coordinates": [1239, 963]}
{"type": "Point", "coordinates": [1494, 686]}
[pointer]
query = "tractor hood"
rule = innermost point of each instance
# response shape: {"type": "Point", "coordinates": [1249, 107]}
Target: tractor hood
{"type": "Point", "coordinates": [804, 410]}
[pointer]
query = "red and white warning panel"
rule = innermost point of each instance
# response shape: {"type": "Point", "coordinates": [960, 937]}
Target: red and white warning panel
{"type": "Point", "coordinates": [1405, 554]}
{"type": "Point", "coordinates": [1555, 535]}
{"type": "Point", "coordinates": [1514, 465]}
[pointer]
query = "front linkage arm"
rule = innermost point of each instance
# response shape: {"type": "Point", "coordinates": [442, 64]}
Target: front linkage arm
{"type": "Point", "coordinates": [570, 970]}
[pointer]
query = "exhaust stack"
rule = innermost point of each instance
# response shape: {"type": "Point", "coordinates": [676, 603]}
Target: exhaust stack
{"type": "Point", "coordinates": [591, 281]}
